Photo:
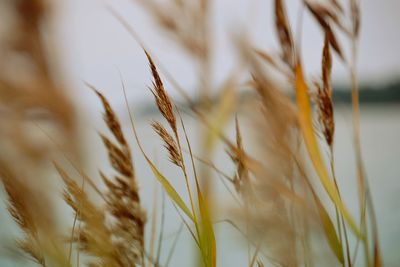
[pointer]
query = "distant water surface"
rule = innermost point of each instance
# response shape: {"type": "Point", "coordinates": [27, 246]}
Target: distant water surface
{"type": "Point", "coordinates": [380, 127]}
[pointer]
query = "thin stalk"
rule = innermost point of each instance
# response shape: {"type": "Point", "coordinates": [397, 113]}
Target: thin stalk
{"type": "Point", "coordinates": [153, 220]}
{"type": "Point", "coordinates": [306, 236]}
{"type": "Point", "coordinates": [161, 236]}
{"type": "Point", "coordinates": [135, 134]}
{"type": "Point", "coordinates": [362, 188]}
{"type": "Point", "coordinates": [273, 261]}
{"type": "Point", "coordinates": [291, 211]}
{"type": "Point", "coordinates": [183, 168]}
{"type": "Point", "coordinates": [194, 172]}
{"type": "Point", "coordinates": [306, 241]}
{"type": "Point", "coordinates": [339, 218]}
{"type": "Point", "coordinates": [171, 252]}
{"type": "Point", "coordinates": [187, 225]}
{"type": "Point", "coordinates": [254, 258]}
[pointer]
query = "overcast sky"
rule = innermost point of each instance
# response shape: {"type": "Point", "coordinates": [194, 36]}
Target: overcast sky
{"type": "Point", "coordinates": [94, 45]}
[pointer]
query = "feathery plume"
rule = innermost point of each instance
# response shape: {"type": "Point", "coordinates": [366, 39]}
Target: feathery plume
{"type": "Point", "coordinates": [324, 96]}
{"type": "Point", "coordinates": [163, 101]}
{"type": "Point", "coordinates": [21, 212]}
{"type": "Point", "coordinates": [123, 200]}
{"type": "Point", "coordinates": [169, 143]}
{"type": "Point", "coordinates": [110, 118]}
{"type": "Point", "coordinates": [93, 237]}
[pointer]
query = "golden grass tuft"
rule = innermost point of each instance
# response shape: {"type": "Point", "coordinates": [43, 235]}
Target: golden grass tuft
{"type": "Point", "coordinates": [21, 212]}
{"type": "Point", "coordinates": [123, 200]}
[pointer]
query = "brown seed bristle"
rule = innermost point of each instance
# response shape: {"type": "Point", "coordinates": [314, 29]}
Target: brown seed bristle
{"type": "Point", "coordinates": [163, 101]}
{"type": "Point", "coordinates": [169, 143]}
{"type": "Point", "coordinates": [322, 16]}
{"type": "Point", "coordinates": [123, 200]}
{"type": "Point", "coordinates": [324, 96]}
{"type": "Point", "coordinates": [326, 65]}
{"type": "Point", "coordinates": [284, 33]}
{"type": "Point", "coordinates": [355, 17]}
{"type": "Point", "coordinates": [241, 177]}
{"type": "Point", "coordinates": [119, 159]}
{"type": "Point", "coordinates": [93, 237]}
{"type": "Point", "coordinates": [21, 212]}
{"type": "Point", "coordinates": [337, 5]}
{"type": "Point", "coordinates": [110, 118]}
{"type": "Point", "coordinates": [128, 229]}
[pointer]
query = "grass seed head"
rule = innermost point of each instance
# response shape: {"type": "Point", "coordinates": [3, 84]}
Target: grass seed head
{"type": "Point", "coordinates": [324, 96]}
{"type": "Point", "coordinates": [169, 144]}
{"type": "Point", "coordinates": [163, 101]}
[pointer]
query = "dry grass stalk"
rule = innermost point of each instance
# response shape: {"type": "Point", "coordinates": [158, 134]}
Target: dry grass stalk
{"type": "Point", "coordinates": [241, 177]}
{"type": "Point", "coordinates": [35, 87]}
{"type": "Point", "coordinates": [281, 127]}
{"type": "Point", "coordinates": [30, 94]}
{"type": "Point", "coordinates": [271, 201]}
{"type": "Point", "coordinates": [186, 21]}
{"type": "Point", "coordinates": [18, 195]}
{"type": "Point", "coordinates": [123, 200]}
{"type": "Point", "coordinates": [279, 124]}
{"type": "Point", "coordinates": [117, 242]}
{"type": "Point", "coordinates": [365, 198]}
{"type": "Point", "coordinates": [93, 237]}
{"type": "Point", "coordinates": [200, 216]}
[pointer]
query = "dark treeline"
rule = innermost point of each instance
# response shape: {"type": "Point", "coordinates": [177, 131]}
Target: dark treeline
{"type": "Point", "coordinates": [371, 94]}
